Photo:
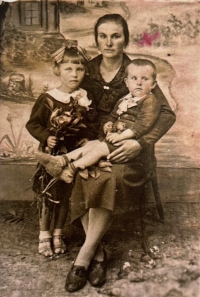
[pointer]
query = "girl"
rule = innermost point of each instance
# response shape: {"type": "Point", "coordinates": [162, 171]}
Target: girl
{"type": "Point", "coordinates": [61, 120]}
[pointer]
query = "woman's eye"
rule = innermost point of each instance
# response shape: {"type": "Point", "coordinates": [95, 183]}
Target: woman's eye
{"type": "Point", "coordinates": [102, 36]}
{"type": "Point", "coordinates": [116, 36]}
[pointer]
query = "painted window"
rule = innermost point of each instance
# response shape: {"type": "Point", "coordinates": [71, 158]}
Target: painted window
{"type": "Point", "coordinates": [32, 15]}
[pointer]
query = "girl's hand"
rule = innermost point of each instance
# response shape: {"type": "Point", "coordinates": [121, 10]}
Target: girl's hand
{"type": "Point", "coordinates": [52, 141]}
{"type": "Point", "coordinates": [113, 137]}
{"type": "Point", "coordinates": [127, 150]}
{"type": "Point", "coordinates": [82, 142]}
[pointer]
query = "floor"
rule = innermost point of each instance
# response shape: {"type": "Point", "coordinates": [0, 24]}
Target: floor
{"type": "Point", "coordinates": [172, 271]}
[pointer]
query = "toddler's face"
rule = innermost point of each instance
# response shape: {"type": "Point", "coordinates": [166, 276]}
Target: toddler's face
{"type": "Point", "coordinates": [139, 80]}
{"type": "Point", "coordinates": [71, 75]}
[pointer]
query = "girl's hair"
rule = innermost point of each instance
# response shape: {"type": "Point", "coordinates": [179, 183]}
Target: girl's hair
{"type": "Point", "coordinates": [114, 18]}
{"type": "Point", "coordinates": [70, 55]}
{"type": "Point", "coordinates": [142, 62]}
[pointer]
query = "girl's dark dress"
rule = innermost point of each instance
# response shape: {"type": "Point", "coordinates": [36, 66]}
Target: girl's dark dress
{"type": "Point", "coordinates": [101, 192]}
{"type": "Point", "coordinates": [39, 127]}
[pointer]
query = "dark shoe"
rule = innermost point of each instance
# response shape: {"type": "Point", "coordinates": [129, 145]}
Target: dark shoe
{"type": "Point", "coordinates": [97, 272]}
{"type": "Point", "coordinates": [76, 278]}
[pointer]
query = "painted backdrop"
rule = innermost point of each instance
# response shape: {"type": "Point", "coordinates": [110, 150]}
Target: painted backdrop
{"type": "Point", "coordinates": [166, 32]}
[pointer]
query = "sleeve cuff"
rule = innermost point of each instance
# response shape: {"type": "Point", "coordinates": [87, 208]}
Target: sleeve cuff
{"type": "Point", "coordinates": [142, 142]}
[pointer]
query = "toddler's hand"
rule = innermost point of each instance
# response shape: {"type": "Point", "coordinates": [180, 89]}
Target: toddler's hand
{"type": "Point", "coordinates": [51, 141]}
{"type": "Point", "coordinates": [107, 127]}
{"type": "Point", "coordinates": [113, 137]}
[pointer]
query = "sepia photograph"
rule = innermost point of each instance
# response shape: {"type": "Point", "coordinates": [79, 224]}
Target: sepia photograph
{"type": "Point", "coordinates": [99, 151]}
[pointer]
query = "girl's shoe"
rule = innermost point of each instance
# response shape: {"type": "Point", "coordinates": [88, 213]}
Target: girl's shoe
{"type": "Point", "coordinates": [44, 247]}
{"type": "Point", "coordinates": [68, 173]}
{"type": "Point", "coordinates": [97, 271]}
{"type": "Point", "coordinates": [59, 245]}
{"type": "Point", "coordinates": [76, 278]}
{"type": "Point", "coordinates": [53, 164]}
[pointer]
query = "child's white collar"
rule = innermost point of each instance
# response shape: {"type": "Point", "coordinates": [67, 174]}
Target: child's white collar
{"type": "Point", "coordinates": [65, 97]}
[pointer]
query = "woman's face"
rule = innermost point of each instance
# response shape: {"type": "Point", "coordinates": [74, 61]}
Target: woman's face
{"type": "Point", "coordinates": [110, 39]}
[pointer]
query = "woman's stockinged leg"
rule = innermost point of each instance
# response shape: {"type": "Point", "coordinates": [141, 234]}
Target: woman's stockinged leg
{"type": "Point", "coordinates": [99, 220]}
{"type": "Point", "coordinates": [99, 253]}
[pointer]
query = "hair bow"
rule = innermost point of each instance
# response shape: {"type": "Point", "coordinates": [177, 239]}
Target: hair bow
{"type": "Point", "coordinates": [59, 54]}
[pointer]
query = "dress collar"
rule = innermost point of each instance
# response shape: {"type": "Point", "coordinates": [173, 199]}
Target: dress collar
{"type": "Point", "coordinates": [65, 97]}
{"type": "Point", "coordinates": [130, 97]}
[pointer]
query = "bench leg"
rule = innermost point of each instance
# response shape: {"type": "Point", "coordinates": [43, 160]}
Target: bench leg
{"type": "Point", "coordinates": [142, 210]}
{"type": "Point", "coordinates": [157, 197]}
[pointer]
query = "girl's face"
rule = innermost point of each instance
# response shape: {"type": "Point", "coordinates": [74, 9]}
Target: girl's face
{"type": "Point", "coordinates": [140, 80]}
{"type": "Point", "coordinates": [110, 39]}
{"type": "Point", "coordinates": [71, 76]}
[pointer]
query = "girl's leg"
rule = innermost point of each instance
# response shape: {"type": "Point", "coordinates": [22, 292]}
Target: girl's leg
{"type": "Point", "coordinates": [61, 212]}
{"type": "Point", "coordinates": [45, 237]}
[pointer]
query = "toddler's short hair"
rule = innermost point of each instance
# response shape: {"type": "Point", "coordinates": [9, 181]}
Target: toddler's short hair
{"type": "Point", "coordinates": [142, 62]}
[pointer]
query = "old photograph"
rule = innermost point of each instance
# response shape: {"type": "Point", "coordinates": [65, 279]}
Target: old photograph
{"type": "Point", "coordinates": [99, 151]}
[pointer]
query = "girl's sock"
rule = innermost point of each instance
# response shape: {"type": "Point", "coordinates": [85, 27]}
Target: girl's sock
{"type": "Point", "coordinates": [58, 243]}
{"type": "Point", "coordinates": [44, 246]}
{"type": "Point", "coordinates": [45, 234]}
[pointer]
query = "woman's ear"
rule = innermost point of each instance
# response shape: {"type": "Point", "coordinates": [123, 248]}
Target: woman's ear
{"type": "Point", "coordinates": [154, 84]}
{"type": "Point", "coordinates": [125, 80]}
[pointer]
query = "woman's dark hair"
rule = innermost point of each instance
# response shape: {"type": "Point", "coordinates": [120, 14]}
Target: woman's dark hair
{"type": "Point", "coordinates": [142, 62]}
{"type": "Point", "coordinates": [115, 18]}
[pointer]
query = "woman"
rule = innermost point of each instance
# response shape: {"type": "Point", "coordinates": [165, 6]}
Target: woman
{"type": "Point", "coordinates": [89, 201]}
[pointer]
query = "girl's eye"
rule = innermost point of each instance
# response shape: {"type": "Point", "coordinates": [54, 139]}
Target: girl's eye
{"type": "Point", "coordinates": [68, 69]}
{"type": "Point", "coordinates": [80, 69]}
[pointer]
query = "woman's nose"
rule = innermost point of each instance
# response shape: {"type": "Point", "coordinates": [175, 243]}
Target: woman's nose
{"type": "Point", "coordinates": [109, 41]}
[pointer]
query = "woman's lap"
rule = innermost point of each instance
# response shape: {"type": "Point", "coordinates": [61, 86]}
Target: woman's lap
{"type": "Point", "coordinates": [108, 190]}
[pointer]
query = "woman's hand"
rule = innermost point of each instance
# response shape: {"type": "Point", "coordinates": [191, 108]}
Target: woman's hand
{"type": "Point", "coordinates": [128, 149]}
{"type": "Point", "coordinates": [51, 141]}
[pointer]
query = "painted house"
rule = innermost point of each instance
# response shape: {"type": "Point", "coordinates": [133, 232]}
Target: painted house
{"type": "Point", "coordinates": [37, 16]}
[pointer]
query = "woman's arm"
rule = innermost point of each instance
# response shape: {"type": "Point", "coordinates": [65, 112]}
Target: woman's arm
{"type": "Point", "coordinates": [164, 122]}
{"type": "Point", "coordinates": [129, 149]}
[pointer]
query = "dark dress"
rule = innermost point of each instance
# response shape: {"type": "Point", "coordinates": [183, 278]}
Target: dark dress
{"type": "Point", "coordinates": [39, 127]}
{"type": "Point", "coordinates": [101, 192]}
